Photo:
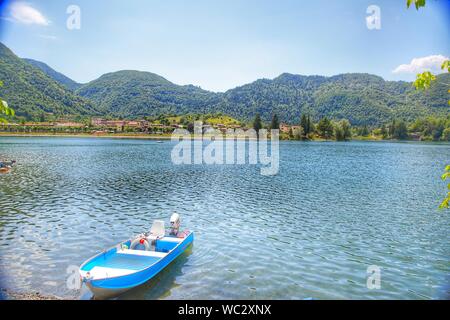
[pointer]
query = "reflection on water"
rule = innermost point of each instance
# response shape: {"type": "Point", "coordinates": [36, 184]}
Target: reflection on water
{"type": "Point", "coordinates": [311, 231]}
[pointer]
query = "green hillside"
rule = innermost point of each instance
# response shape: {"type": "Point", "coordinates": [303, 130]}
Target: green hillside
{"type": "Point", "coordinates": [55, 75]}
{"type": "Point", "coordinates": [31, 93]}
{"type": "Point", "coordinates": [363, 99]}
{"type": "Point", "coordinates": [131, 93]}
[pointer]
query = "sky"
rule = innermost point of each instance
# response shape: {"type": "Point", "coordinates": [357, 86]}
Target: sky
{"type": "Point", "coordinates": [220, 44]}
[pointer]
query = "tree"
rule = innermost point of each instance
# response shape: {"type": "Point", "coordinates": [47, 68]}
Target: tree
{"type": "Point", "coordinates": [309, 125]}
{"type": "Point", "coordinates": [446, 134]}
{"type": "Point", "coordinates": [325, 128]}
{"type": "Point", "coordinates": [417, 3]}
{"type": "Point", "coordinates": [342, 130]}
{"type": "Point", "coordinates": [42, 117]}
{"type": "Point", "coordinates": [297, 133]}
{"type": "Point", "coordinates": [304, 124]}
{"type": "Point", "coordinates": [364, 131]}
{"type": "Point", "coordinates": [391, 128]}
{"type": "Point", "coordinates": [4, 109]}
{"type": "Point", "coordinates": [257, 124]}
{"type": "Point", "coordinates": [275, 124]}
{"type": "Point", "coordinates": [311, 128]}
{"type": "Point", "coordinates": [424, 79]}
{"type": "Point", "coordinates": [384, 132]}
{"type": "Point", "coordinates": [346, 129]}
{"type": "Point", "coordinates": [400, 131]}
{"type": "Point", "coordinates": [338, 133]}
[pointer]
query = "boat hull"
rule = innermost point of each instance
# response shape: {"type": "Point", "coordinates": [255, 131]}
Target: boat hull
{"type": "Point", "coordinates": [102, 293]}
{"type": "Point", "coordinates": [114, 286]}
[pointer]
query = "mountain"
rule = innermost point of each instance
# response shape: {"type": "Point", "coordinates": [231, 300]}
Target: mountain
{"type": "Point", "coordinates": [33, 88]}
{"type": "Point", "coordinates": [31, 93]}
{"type": "Point", "coordinates": [131, 93]}
{"type": "Point", "coordinates": [363, 99]}
{"type": "Point", "coordinates": [55, 75]}
{"type": "Point", "coordinates": [360, 98]}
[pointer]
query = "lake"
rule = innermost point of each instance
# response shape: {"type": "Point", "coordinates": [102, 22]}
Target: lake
{"type": "Point", "coordinates": [311, 231]}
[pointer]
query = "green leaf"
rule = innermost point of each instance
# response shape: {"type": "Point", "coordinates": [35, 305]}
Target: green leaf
{"type": "Point", "coordinates": [5, 109]}
{"type": "Point", "coordinates": [446, 65]}
{"type": "Point", "coordinates": [417, 3]}
{"type": "Point", "coordinates": [445, 202]}
{"type": "Point", "coordinates": [423, 80]}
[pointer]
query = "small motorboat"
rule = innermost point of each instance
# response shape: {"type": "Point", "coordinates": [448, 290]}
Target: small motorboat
{"type": "Point", "coordinates": [135, 261]}
{"type": "Point", "coordinates": [5, 166]}
{"type": "Point", "coordinates": [5, 169]}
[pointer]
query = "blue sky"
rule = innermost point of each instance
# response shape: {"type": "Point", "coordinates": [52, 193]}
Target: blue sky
{"type": "Point", "coordinates": [222, 44]}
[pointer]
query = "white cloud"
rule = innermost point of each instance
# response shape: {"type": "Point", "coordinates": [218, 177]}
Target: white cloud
{"type": "Point", "coordinates": [22, 12]}
{"type": "Point", "coordinates": [417, 65]}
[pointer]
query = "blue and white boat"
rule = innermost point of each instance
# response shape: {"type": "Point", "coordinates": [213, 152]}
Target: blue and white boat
{"type": "Point", "coordinates": [135, 261]}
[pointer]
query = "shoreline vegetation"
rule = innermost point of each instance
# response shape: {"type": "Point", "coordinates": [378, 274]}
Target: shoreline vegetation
{"type": "Point", "coordinates": [162, 127]}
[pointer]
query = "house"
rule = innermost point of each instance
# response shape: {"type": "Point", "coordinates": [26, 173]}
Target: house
{"type": "Point", "coordinates": [285, 128]}
{"type": "Point", "coordinates": [143, 124]}
{"type": "Point", "coordinates": [97, 122]}
{"type": "Point", "coordinates": [68, 124]}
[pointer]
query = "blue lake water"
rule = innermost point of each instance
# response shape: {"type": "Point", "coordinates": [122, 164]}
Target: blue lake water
{"type": "Point", "coordinates": [311, 231]}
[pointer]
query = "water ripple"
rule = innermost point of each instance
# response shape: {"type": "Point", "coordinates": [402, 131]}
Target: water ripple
{"type": "Point", "coordinates": [311, 231]}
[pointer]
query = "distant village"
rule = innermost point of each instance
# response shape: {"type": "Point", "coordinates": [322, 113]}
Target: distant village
{"type": "Point", "coordinates": [103, 126]}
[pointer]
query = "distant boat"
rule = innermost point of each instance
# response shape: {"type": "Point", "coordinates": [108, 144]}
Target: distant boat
{"type": "Point", "coordinates": [5, 166]}
{"type": "Point", "coordinates": [159, 141]}
{"type": "Point", "coordinates": [5, 170]}
{"type": "Point", "coordinates": [135, 261]}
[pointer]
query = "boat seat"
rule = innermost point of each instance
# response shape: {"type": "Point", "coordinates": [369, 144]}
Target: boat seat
{"type": "Point", "coordinates": [172, 239]}
{"type": "Point", "coordinates": [104, 272]}
{"type": "Point", "coordinates": [157, 230]}
{"type": "Point", "coordinates": [143, 253]}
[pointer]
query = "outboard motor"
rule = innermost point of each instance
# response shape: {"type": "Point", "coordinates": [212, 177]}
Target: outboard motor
{"type": "Point", "coordinates": [174, 224]}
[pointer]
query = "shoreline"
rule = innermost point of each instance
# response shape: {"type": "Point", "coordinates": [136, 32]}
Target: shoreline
{"type": "Point", "coordinates": [169, 137]}
{"type": "Point", "coordinates": [32, 295]}
{"type": "Point", "coordinates": [45, 135]}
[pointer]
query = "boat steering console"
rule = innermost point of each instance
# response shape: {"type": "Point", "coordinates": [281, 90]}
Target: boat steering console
{"type": "Point", "coordinates": [157, 231]}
